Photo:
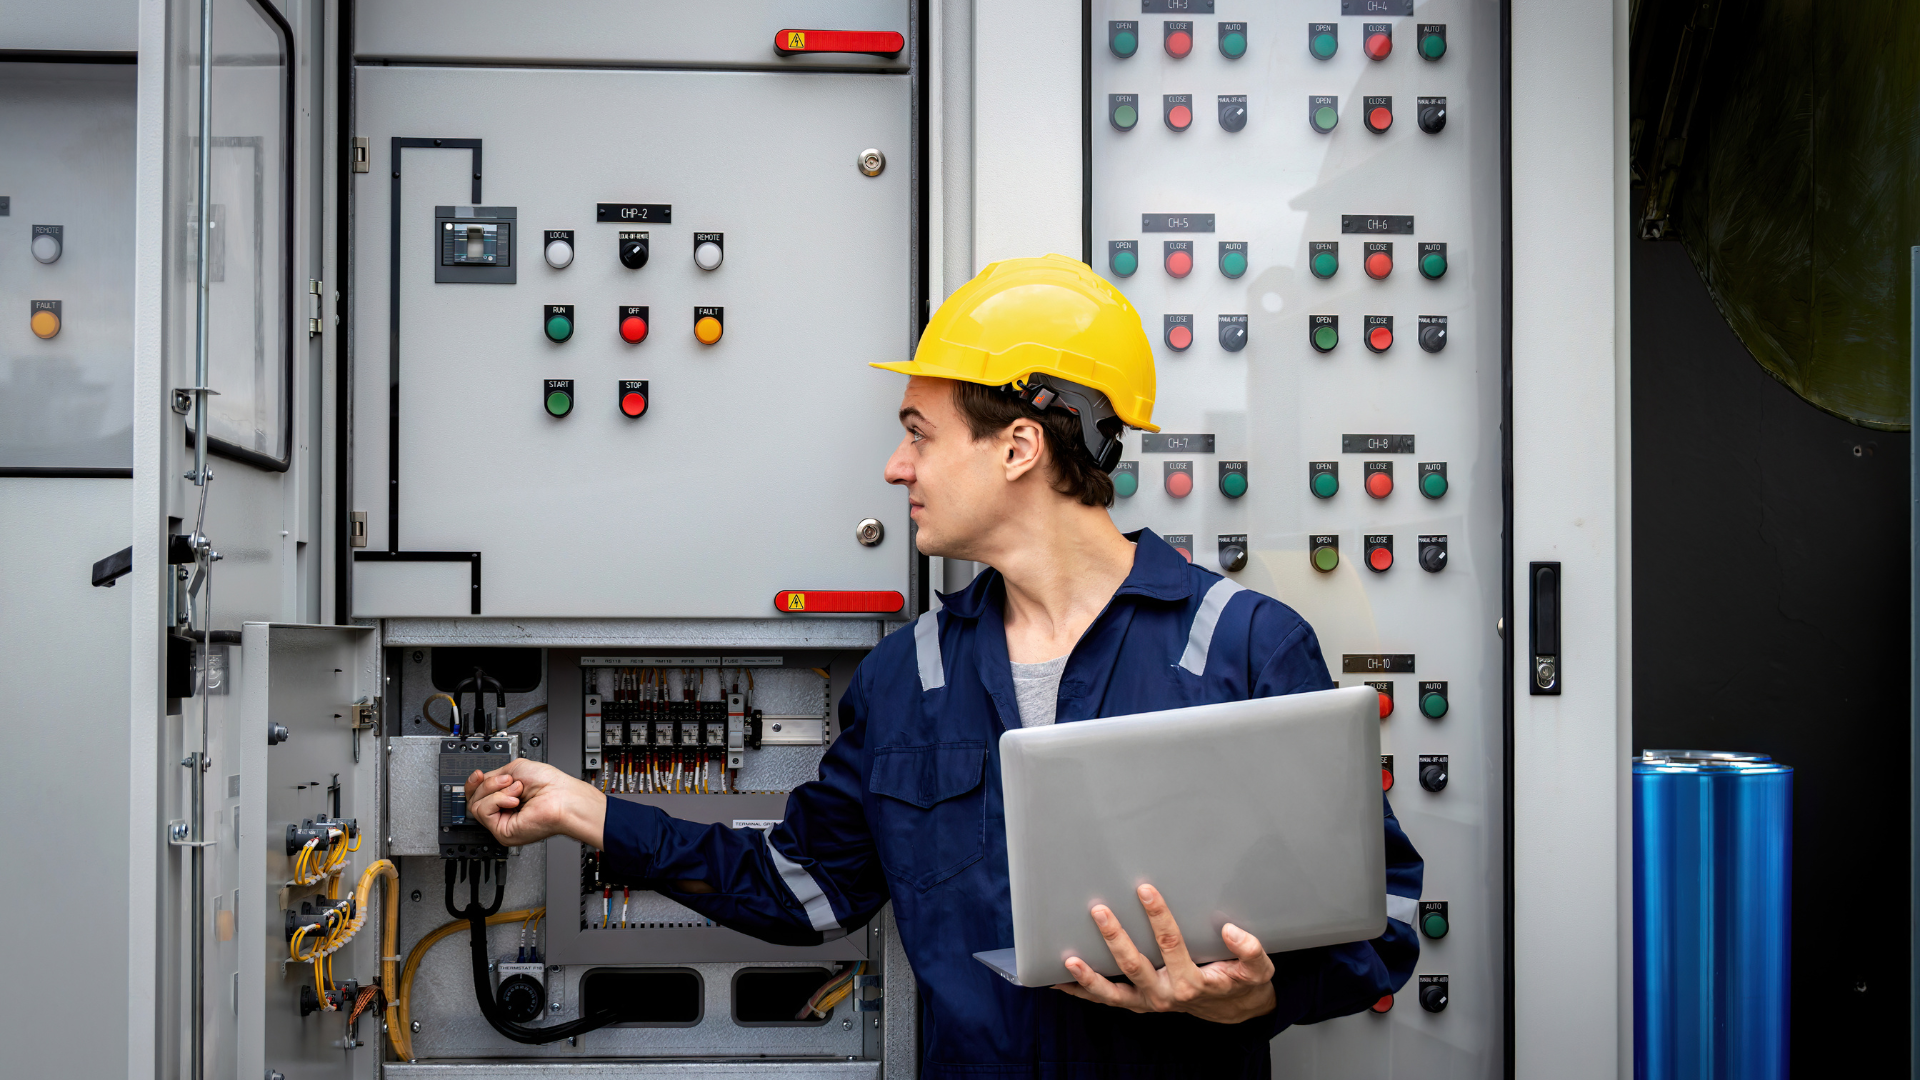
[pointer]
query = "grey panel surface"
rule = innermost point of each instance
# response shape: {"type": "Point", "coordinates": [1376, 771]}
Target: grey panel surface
{"type": "Point", "coordinates": [758, 454]}
{"type": "Point", "coordinates": [64, 658]}
{"type": "Point", "coordinates": [737, 34]}
{"type": "Point", "coordinates": [67, 401]}
{"type": "Point", "coordinates": [71, 25]}
{"type": "Point", "coordinates": [639, 1070]}
{"type": "Point", "coordinates": [1278, 404]}
{"type": "Point", "coordinates": [637, 633]}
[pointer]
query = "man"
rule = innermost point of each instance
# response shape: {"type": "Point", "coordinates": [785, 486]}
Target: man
{"type": "Point", "coordinates": [1021, 387]}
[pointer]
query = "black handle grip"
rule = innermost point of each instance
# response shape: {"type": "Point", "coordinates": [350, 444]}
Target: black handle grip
{"type": "Point", "coordinates": [1543, 602]}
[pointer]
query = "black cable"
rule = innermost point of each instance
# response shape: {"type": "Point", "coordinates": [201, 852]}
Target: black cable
{"type": "Point", "coordinates": [476, 916]}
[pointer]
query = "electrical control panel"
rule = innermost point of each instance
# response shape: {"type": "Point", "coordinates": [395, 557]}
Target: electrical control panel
{"type": "Point", "coordinates": [1311, 230]}
{"type": "Point", "coordinates": [612, 329]}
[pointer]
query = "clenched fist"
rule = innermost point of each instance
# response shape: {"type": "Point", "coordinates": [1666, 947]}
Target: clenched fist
{"type": "Point", "coordinates": [524, 802]}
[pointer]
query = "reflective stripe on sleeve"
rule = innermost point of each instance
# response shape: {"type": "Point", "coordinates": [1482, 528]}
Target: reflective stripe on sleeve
{"type": "Point", "coordinates": [804, 889]}
{"type": "Point", "coordinates": [1200, 638]}
{"type": "Point", "coordinates": [926, 650]}
{"type": "Point", "coordinates": [1402, 908]}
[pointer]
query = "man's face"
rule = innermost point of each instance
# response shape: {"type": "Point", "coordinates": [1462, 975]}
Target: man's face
{"type": "Point", "coordinates": [956, 487]}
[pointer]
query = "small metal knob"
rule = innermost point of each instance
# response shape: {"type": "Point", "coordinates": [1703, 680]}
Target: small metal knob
{"type": "Point", "coordinates": [870, 532]}
{"type": "Point", "coordinates": [872, 162]}
{"type": "Point", "coordinates": [276, 734]}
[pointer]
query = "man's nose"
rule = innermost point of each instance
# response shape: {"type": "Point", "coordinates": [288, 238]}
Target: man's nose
{"type": "Point", "coordinates": [899, 469]}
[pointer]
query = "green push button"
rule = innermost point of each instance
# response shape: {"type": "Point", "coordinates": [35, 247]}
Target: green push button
{"type": "Point", "coordinates": [559, 403]}
{"type": "Point", "coordinates": [1125, 484]}
{"type": "Point", "coordinates": [1233, 484]}
{"type": "Point", "coordinates": [1125, 44]}
{"type": "Point", "coordinates": [1326, 558]}
{"type": "Point", "coordinates": [1233, 46]}
{"type": "Point", "coordinates": [1325, 119]}
{"type": "Point", "coordinates": [1233, 263]}
{"type": "Point", "coordinates": [1433, 264]}
{"type": "Point", "coordinates": [559, 328]}
{"type": "Point", "coordinates": [1433, 924]}
{"type": "Point", "coordinates": [1435, 706]}
{"type": "Point", "coordinates": [1325, 485]}
{"type": "Point", "coordinates": [1324, 46]}
{"type": "Point", "coordinates": [1433, 46]}
{"type": "Point", "coordinates": [1125, 263]}
{"type": "Point", "coordinates": [1433, 485]}
{"type": "Point", "coordinates": [1125, 116]}
{"type": "Point", "coordinates": [1325, 338]}
{"type": "Point", "coordinates": [1325, 264]}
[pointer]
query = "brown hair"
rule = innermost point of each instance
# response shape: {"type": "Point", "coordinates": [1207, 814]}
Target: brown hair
{"type": "Point", "coordinates": [988, 410]}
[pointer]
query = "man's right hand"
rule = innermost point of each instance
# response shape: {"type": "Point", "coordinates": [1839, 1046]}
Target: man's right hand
{"type": "Point", "coordinates": [525, 801]}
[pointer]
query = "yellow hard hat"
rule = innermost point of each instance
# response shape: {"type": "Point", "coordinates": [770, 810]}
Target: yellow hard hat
{"type": "Point", "coordinates": [1049, 316]}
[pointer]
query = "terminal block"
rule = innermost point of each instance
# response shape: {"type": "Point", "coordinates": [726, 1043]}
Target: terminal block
{"type": "Point", "coordinates": [317, 828]}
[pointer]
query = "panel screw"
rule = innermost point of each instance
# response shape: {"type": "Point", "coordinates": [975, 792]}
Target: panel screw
{"type": "Point", "coordinates": [847, 1024]}
{"type": "Point", "coordinates": [872, 162]}
{"type": "Point", "coordinates": [870, 532]}
{"type": "Point", "coordinates": [416, 1027]}
{"type": "Point", "coordinates": [416, 896]}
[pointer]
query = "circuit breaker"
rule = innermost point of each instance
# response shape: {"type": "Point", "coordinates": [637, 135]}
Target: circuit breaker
{"type": "Point", "coordinates": [1303, 201]}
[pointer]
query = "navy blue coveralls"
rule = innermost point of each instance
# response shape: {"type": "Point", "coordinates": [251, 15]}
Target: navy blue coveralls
{"type": "Point", "coordinates": [908, 808]}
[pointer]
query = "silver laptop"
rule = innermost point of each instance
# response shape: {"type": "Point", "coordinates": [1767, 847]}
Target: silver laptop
{"type": "Point", "coordinates": [1262, 813]}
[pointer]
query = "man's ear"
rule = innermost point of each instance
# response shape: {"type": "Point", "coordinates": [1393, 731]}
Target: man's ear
{"type": "Point", "coordinates": [1025, 445]}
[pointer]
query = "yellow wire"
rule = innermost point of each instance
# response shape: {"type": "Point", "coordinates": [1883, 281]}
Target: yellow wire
{"type": "Point", "coordinates": [419, 952]}
{"type": "Point", "coordinates": [451, 704]}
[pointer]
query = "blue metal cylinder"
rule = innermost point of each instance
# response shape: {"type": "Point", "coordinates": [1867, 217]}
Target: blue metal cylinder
{"type": "Point", "coordinates": [1712, 854]}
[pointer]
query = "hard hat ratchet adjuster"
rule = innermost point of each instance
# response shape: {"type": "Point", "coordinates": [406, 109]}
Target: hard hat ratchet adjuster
{"type": "Point", "coordinates": [1100, 427]}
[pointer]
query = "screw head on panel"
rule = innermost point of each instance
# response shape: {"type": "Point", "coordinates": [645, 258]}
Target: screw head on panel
{"type": "Point", "coordinates": [872, 162]}
{"type": "Point", "coordinates": [869, 532]}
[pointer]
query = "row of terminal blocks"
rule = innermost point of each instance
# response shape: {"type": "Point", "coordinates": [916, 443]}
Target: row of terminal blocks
{"type": "Point", "coordinates": [1323, 551]}
{"type": "Point", "coordinates": [1323, 38]}
{"type": "Point", "coordinates": [715, 726]}
{"type": "Point", "coordinates": [1323, 478]}
{"type": "Point", "coordinates": [1323, 258]}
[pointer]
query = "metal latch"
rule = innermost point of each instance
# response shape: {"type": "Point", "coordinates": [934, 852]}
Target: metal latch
{"type": "Point", "coordinates": [313, 307]}
{"type": "Point", "coordinates": [863, 1003]}
{"type": "Point", "coordinates": [362, 153]}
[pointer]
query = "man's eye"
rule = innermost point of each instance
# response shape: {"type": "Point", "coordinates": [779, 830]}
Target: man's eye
{"type": "Point", "coordinates": [915, 432]}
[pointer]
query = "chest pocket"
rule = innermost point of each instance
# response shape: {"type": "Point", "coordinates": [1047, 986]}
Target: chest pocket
{"type": "Point", "coordinates": [932, 817]}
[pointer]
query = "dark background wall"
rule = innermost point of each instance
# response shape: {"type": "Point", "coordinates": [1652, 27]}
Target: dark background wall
{"type": "Point", "coordinates": [1770, 598]}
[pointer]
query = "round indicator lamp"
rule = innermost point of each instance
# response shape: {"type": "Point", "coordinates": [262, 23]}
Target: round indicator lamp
{"type": "Point", "coordinates": [1433, 924]}
{"type": "Point", "coordinates": [1380, 484]}
{"type": "Point", "coordinates": [1185, 553]}
{"type": "Point", "coordinates": [46, 248]}
{"type": "Point", "coordinates": [1433, 46]}
{"type": "Point", "coordinates": [1379, 264]}
{"type": "Point", "coordinates": [1379, 46]}
{"type": "Point", "coordinates": [1179, 336]}
{"type": "Point", "coordinates": [1179, 44]}
{"type": "Point", "coordinates": [1325, 119]}
{"type": "Point", "coordinates": [1325, 558]}
{"type": "Point", "coordinates": [1379, 119]}
{"type": "Point", "coordinates": [1233, 484]}
{"type": "Point", "coordinates": [45, 323]}
{"type": "Point", "coordinates": [1381, 1007]}
{"type": "Point", "coordinates": [633, 403]}
{"type": "Point", "coordinates": [1323, 46]}
{"type": "Point", "coordinates": [559, 403]}
{"type": "Point", "coordinates": [1125, 484]}
{"type": "Point", "coordinates": [1233, 263]}
{"type": "Point", "coordinates": [1433, 264]}
{"type": "Point", "coordinates": [1380, 339]}
{"type": "Point", "coordinates": [1325, 485]}
{"type": "Point", "coordinates": [633, 329]}
{"type": "Point", "coordinates": [1180, 485]}
{"type": "Point", "coordinates": [1180, 262]}
{"type": "Point", "coordinates": [707, 330]}
{"type": "Point", "coordinates": [1233, 45]}
{"type": "Point", "coordinates": [559, 328]}
{"type": "Point", "coordinates": [1433, 485]}
{"type": "Point", "coordinates": [559, 254]}
{"type": "Point", "coordinates": [1124, 262]}
{"type": "Point", "coordinates": [1381, 560]}
{"type": "Point", "coordinates": [1124, 44]}
{"type": "Point", "coordinates": [1325, 264]}
{"type": "Point", "coordinates": [707, 255]}
{"type": "Point", "coordinates": [1180, 117]}
{"type": "Point", "coordinates": [1325, 338]}
{"type": "Point", "coordinates": [1433, 704]}
{"type": "Point", "coordinates": [1386, 704]}
{"type": "Point", "coordinates": [1386, 778]}
{"type": "Point", "coordinates": [1125, 116]}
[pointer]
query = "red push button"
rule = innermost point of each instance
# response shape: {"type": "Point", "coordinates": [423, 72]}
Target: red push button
{"type": "Point", "coordinates": [1379, 119]}
{"type": "Point", "coordinates": [1179, 43]}
{"type": "Point", "coordinates": [1179, 336]}
{"type": "Point", "coordinates": [1379, 264]}
{"type": "Point", "coordinates": [1380, 484]}
{"type": "Point", "coordinates": [1180, 264]}
{"type": "Point", "coordinates": [633, 331]}
{"type": "Point", "coordinates": [1379, 45]}
{"type": "Point", "coordinates": [1386, 778]}
{"type": "Point", "coordinates": [633, 403]}
{"type": "Point", "coordinates": [1179, 117]}
{"type": "Point", "coordinates": [1180, 485]}
{"type": "Point", "coordinates": [1380, 338]}
{"type": "Point", "coordinates": [1380, 559]}
{"type": "Point", "coordinates": [1386, 704]}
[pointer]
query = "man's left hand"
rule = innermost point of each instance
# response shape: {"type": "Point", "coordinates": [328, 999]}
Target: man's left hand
{"type": "Point", "coordinates": [1226, 992]}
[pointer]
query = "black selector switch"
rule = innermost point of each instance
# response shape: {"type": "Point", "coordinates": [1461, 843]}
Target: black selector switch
{"type": "Point", "coordinates": [1433, 993]}
{"type": "Point", "coordinates": [1233, 551]}
{"type": "Point", "coordinates": [634, 250]}
{"type": "Point", "coordinates": [1433, 332]}
{"type": "Point", "coordinates": [1233, 111]}
{"type": "Point", "coordinates": [1433, 772]}
{"type": "Point", "coordinates": [1233, 332]}
{"type": "Point", "coordinates": [1433, 553]}
{"type": "Point", "coordinates": [1433, 114]}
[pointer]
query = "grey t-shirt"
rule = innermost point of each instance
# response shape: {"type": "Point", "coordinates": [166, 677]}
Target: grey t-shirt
{"type": "Point", "coordinates": [1037, 686]}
